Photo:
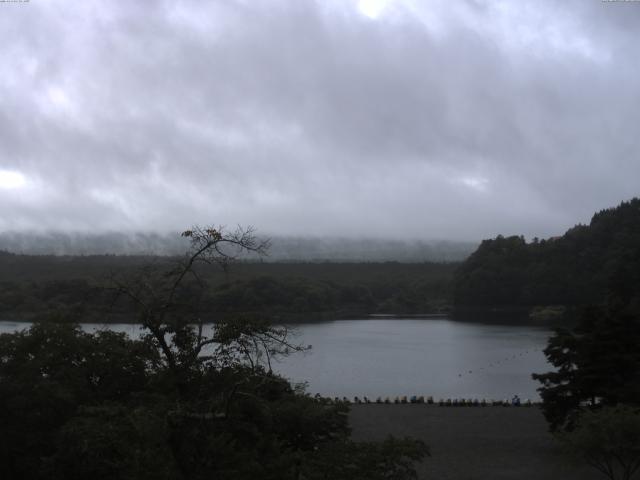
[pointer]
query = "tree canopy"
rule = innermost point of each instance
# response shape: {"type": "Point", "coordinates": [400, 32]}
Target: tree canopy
{"type": "Point", "coordinates": [574, 269]}
{"type": "Point", "coordinates": [609, 440]}
{"type": "Point", "coordinates": [180, 402]}
{"type": "Point", "coordinates": [597, 363]}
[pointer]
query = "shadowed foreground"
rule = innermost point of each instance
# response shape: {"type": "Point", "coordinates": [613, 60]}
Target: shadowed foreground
{"type": "Point", "coordinates": [470, 443]}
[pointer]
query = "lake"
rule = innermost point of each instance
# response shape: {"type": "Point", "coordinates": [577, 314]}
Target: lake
{"type": "Point", "coordinates": [396, 356]}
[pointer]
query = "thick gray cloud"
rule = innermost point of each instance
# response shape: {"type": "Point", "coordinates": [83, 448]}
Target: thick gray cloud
{"type": "Point", "coordinates": [383, 118]}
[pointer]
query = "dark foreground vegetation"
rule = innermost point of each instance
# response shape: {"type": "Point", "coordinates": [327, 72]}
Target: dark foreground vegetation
{"type": "Point", "coordinates": [76, 406]}
{"type": "Point", "coordinates": [175, 404]}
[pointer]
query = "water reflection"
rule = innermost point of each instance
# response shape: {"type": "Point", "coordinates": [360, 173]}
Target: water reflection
{"type": "Point", "coordinates": [442, 358]}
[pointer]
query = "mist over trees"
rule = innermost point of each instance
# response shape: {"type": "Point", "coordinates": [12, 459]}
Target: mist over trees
{"type": "Point", "coordinates": [282, 285]}
{"type": "Point", "coordinates": [282, 248]}
{"type": "Point", "coordinates": [568, 271]}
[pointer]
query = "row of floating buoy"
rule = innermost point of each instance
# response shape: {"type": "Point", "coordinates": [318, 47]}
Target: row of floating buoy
{"type": "Point", "coordinates": [468, 402]}
{"type": "Point", "coordinates": [500, 362]}
{"type": "Point", "coordinates": [449, 402]}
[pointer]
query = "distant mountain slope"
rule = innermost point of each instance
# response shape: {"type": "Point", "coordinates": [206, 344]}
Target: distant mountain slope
{"type": "Point", "coordinates": [368, 250]}
{"type": "Point", "coordinates": [574, 269]}
{"type": "Point", "coordinates": [282, 248]}
{"type": "Point", "coordinates": [72, 287]}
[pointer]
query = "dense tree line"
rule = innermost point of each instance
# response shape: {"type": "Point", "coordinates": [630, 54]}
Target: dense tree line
{"type": "Point", "coordinates": [574, 269]}
{"type": "Point", "coordinates": [33, 287]}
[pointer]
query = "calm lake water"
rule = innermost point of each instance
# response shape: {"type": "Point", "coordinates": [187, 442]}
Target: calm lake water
{"type": "Point", "coordinates": [389, 357]}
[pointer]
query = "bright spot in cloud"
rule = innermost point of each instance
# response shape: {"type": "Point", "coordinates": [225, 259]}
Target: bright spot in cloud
{"type": "Point", "coordinates": [56, 100]}
{"type": "Point", "coordinates": [372, 8]}
{"type": "Point", "coordinates": [479, 184]}
{"type": "Point", "coordinates": [58, 97]}
{"type": "Point", "coordinates": [10, 179]}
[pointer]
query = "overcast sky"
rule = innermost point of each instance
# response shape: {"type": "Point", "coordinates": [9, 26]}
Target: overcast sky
{"type": "Point", "coordinates": [403, 119]}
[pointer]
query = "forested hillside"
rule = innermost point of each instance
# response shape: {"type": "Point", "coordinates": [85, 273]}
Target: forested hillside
{"type": "Point", "coordinates": [74, 287]}
{"type": "Point", "coordinates": [575, 269]}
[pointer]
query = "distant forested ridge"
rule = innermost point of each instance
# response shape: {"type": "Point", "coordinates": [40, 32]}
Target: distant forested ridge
{"type": "Point", "coordinates": [37, 286]}
{"type": "Point", "coordinates": [575, 269]}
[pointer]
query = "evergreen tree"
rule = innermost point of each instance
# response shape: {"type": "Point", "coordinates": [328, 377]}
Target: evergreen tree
{"type": "Point", "coordinates": [597, 363]}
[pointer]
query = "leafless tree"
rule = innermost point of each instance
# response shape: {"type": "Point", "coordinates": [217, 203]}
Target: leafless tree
{"type": "Point", "coordinates": [166, 302]}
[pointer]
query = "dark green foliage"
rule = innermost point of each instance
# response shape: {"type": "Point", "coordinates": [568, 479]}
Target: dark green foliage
{"type": "Point", "coordinates": [597, 364]}
{"type": "Point", "coordinates": [71, 288]}
{"type": "Point", "coordinates": [574, 269]}
{"type": "Point", "coordinates": [493, 274]}
{"type": "Point", "coordinates": [48, 372]}
{"type": "Point", "coordinates": [112, 442]}
{"type": "Point", "coordinates": [608, 440]}
{"type": "Point", "coordinates": [75, 405]}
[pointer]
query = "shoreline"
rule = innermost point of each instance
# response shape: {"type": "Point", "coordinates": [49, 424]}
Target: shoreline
{"type": "Point", "coordinates": [312, 317]}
